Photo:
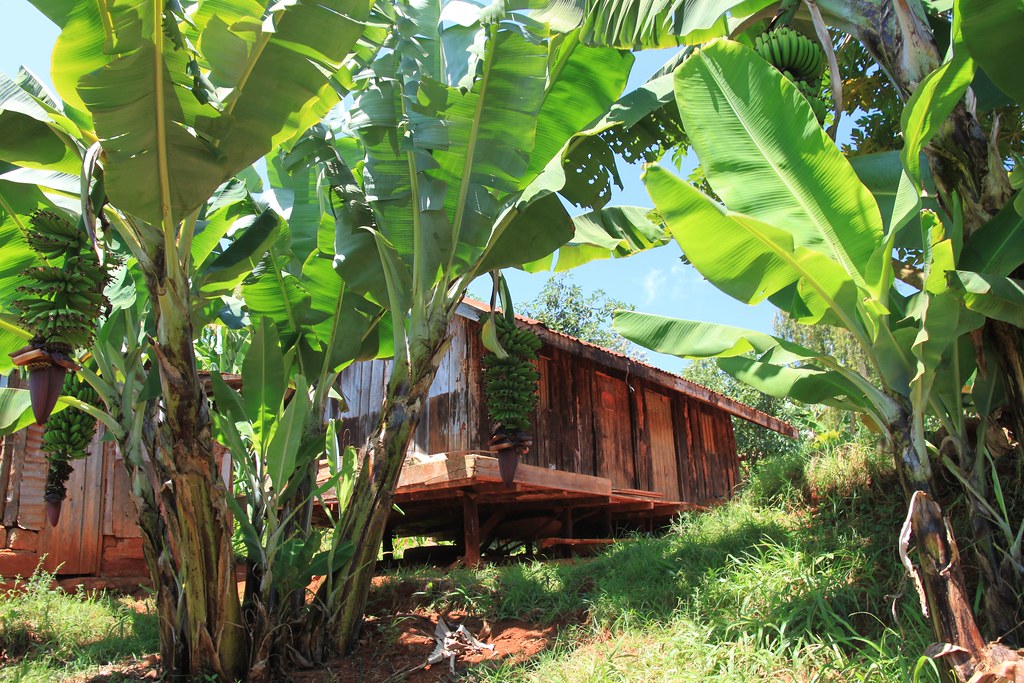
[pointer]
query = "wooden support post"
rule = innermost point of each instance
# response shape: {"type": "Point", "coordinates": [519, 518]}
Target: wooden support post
{"type": "Point", "coordinates": [471, 528]}
{"type": "Point", "coordinates": [567, 531]}
{"type": "Point", "coordinates": [389, 545]}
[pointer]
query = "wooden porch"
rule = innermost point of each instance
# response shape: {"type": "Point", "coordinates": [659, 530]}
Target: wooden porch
{"type": "Point", "coordinates": [460, 497]}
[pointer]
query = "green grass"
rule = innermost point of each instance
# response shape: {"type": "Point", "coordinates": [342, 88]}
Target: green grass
{"type": "Point", "coordinates": [48, 635]}
{"type": "Point", "coordinates": [792, 581]}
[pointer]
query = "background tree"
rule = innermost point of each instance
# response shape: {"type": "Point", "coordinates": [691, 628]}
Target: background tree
{"type": "Point", "coordinates": [838, 343]}
{"type": "Point", "coordinates": [564, 307]}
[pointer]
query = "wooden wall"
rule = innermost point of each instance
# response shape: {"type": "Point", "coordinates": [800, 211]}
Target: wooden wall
{"type": "Point", "coordinates": [97, 534]}
{"type": "Point", "coordinates": [455, 417]}
{"type": "Point", "coordinates": [590, 419]}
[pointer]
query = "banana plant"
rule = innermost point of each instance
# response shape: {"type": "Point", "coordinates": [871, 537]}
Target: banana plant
{"type": "Point", "coordinates": [160, 105]}
{"type": "Point", "coordinates": [800, 229]}
{"type": "Point", "coordinates": [276, 444]}
{"type": "Point", "coordinates": [454, 161]}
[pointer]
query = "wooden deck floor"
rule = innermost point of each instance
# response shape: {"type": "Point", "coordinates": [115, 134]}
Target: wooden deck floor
{"type": "Point", "coordinates": [460, 497]}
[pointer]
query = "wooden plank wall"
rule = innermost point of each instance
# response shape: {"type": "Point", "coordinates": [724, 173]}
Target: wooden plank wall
{"type": "Point", "coordinates": [454, 417]}
{"type": "Point", "coordinates": [589, 419]}
{"type": "Point", "coordinates": [97, 534]}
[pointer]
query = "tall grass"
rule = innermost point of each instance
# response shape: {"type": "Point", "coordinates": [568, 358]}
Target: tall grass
{"type": "Point", "coordinates": [47, 634]}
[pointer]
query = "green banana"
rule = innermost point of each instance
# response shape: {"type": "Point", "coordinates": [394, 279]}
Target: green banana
{"type": "Point", "coordinates": [60, 302]}
{"type": "Point", "coordinates": [68, 435]}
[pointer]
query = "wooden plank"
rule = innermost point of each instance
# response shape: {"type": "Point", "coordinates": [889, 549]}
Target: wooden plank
{"type": "Point", "coordinates": [545, 427]}
{"type": "Point", "coordinates": [480, 428]}
{"type": "Point", "coordinates": [583, 402]}
{"type": "Point", "coordinates": [641, 436]}
{"type": "Point", "coordinates": [713, 460]}
{"type": "Point", "coordinates": [122, 514]}
{"type": "Point", "coordinates": [33, 481]}
{"type": "Point", "coordinates": [452, 468]}
{"type": "Point", "coordinates": [696, 451]}
{"type": "Point", "coordinates": [734, 464]}
{"type": "Point", "coordinates": [460, 468]}
{"type": "Point", "coordinates": [637, 493]}
{"type": "Point", "coordinates": [546, 543]}
{"type": "Point", "coordinates": [75, 545]}
{"type": "Point", "coordinates": [680, 427]}
{"type": "Point", "coordinates": [614, 431]}
{"type": "Point", "coordinates": [460, 391]}
{"type": "Point", "coordinates": [471, 531]}
{"type": "Point", "coordinates": [527, 475]}
{"type": "Point", "coordinates": [439, 401]}
{"type": "Point", "coordinates": [664, 458]}
{"type": "Point", "coordinates": [569, 452]}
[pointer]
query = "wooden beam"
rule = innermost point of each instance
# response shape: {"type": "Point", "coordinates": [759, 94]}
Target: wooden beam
{"type": "Point", "coordinates": [471, 531]}
{"type": "Point", "coordinates": [466, 469]}
{"type": "Point", "coordinates": [545, 543]}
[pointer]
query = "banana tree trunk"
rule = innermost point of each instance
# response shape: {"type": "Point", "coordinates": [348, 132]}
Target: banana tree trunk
{"type": "Point", "coordinates": [208, 636]}
{"type": "Point", "coordinates": [963, 163]}
{"type": "Point", "coordinates": [1000, 591]}
{"type": "Point", "coordinates": [939, 577]}
{"type": "Point", "coordinates": [363, 522]}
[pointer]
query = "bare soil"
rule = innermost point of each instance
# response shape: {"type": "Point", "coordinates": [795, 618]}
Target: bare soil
{"type": "Point", "coordinates": [392, 649]}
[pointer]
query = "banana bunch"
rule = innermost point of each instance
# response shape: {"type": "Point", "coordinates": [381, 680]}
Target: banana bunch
{"type": "Point", "coordinates": [60, 304]}
{"type": "Point", "coordinates": [511, 382]}
{"type": "Point", "coordinates": [799, 59]}
{"type": "Point", "coordinates": [67, 435]}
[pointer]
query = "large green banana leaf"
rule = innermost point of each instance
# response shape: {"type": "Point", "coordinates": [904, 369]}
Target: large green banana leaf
{"type": "Point", "coordinates": [645, 24]}
{"type": "Point", "coordinates": [449, 171]}
{"type": "Point", "coordinates": [749, 259]}
{"type": "Point", "coordinates": [934, 100]}
{"type": "Point", "coordinates": [613, 232]}
{"type": "Point", "coordinates": [781, 368]}
{"type": "Point", "coordinates": [766, 156]}
{"type": "Point", "coordinates": [992, 31]}
{"type": "Point", "coordinates": [998, 246]}
{"type": "Point", "coordinates": [265, 80]}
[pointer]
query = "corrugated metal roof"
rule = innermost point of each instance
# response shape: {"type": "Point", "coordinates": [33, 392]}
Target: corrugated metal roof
{"type": "Point", "coordinates": [654, 374]}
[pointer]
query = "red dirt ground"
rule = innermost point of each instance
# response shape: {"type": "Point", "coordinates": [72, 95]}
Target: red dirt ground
{"type": "Point", "coordinates": [389, 647]}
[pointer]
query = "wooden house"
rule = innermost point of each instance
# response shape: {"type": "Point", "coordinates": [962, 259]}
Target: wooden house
{"type": "Point", "coordinates": [618, 444]}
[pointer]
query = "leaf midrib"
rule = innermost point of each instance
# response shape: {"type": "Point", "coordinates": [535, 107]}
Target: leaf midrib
{"type": "Point", "coordinates": [826, 229]}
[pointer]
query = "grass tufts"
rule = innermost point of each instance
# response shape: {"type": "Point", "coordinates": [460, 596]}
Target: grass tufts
{"type": "Point", "coordinates": [47, 634]}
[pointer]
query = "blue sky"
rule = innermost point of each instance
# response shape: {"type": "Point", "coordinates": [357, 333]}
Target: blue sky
{"type": "Point", "coordinates": [655, 282]}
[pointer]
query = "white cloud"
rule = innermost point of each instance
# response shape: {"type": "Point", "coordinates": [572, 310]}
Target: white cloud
{"type": "Point", "coordinates": [652, 284]}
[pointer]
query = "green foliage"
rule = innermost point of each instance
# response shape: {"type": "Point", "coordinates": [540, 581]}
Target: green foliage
{"type": "Point", "coordinates": [47, 634]}
{"type": "Point", "coordinates": [837, 343]}
{"type": "Point", "coordinates": [564, 307]}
